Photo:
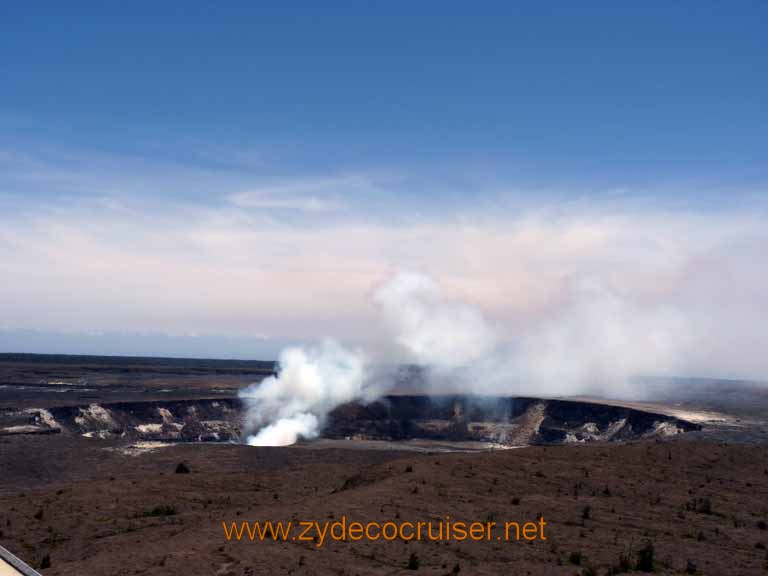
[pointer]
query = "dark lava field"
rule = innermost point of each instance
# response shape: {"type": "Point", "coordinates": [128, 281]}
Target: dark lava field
{"type": "Point", "coordinates": [130, 466]}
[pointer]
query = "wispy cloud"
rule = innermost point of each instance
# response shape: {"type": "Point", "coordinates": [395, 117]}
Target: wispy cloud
{"type": "Point", "coordinates": [192, 269]}
{"type": "Point", "coordinates": [306, 195]}
{"type": "Point", "coordinates": [46, 177]}
{"type": "Point", "coordinates": [190, 251]}
{"type": "Point", "coordinates": [267, 201]}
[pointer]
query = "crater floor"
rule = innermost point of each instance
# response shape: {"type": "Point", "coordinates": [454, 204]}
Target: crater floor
{"type": "Point", "coordinates": [491, 421]}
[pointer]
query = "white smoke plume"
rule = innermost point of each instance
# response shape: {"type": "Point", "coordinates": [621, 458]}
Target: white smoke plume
{"type": "Point", "coordinates": [577, 309]}
{"type": "Point", "coordinates": [434, 331]}
{"type": "Point", "coordinates": [597, 341]}
{"type": "Point", "coordinates": [594, 341]}
{"type": "Point", "coordinates": [309, 384]}
{"type": "Point", "coordinates": [440, 334]}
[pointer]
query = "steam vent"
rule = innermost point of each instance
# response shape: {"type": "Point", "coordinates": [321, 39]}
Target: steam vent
{"type": "Point", "coordinates": [504, 421]}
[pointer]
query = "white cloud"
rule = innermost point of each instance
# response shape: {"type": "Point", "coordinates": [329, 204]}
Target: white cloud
{"type": "Point", "coordinates": [300, 259]}
{"type": "Point", "coordinates": [262, 200]}
{"type": "Point", "coordinates": [305, 195]}
{"type": "Point", "coordinates": [95, 266]}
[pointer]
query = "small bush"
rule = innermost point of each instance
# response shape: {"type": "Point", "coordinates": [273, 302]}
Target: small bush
{"type": "Point", "coordinates": [586, 512]}
{"type": "Point", "coordinates": [645, 558]}
{"type": "Point", "coordinates": [182, 468]}
{"type": "Point", "coordinates": [413, 562]}
{"type": "Point", "coordinates": [575, 558]}
{"type": "Point", "coordinates": [162, 510]}
{"type": "Point", "coordinates": [700, 505]}
{"type": "Point", "coordinates": [762, 525]}
{"type": "Point", "coordinates": [624, 564]}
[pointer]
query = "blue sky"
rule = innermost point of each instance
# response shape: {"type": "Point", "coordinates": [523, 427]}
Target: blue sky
{"type": "Point", "coordinates": [237, 138]}
{"type": "Point", "coordinates": [595, 91]}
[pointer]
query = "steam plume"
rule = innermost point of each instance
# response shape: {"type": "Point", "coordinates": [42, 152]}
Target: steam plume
{"type": "Point", "coordinates": [594, 338]}
{"type": "Point", "coordinates": [309, 384]}
{"type": "Point", "coordinates": [598, 341]}
{"type": "Point", "coordinates": [434, 331]}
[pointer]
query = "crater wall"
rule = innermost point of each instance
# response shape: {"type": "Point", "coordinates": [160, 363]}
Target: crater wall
{"type": "Point", "coordinates": [511, 421]}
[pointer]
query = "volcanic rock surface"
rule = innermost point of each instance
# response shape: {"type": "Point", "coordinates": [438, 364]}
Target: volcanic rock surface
{"type": "Point", "coordinates": [503, 421]}
{"type": "Point", "coordinates": [113, 466]}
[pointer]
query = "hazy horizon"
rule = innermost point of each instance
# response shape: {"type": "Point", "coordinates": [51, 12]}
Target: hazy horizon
{"type": "Point", "coordinates": [587, 190]}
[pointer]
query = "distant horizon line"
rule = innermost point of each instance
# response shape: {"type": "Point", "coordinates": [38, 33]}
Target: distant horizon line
{"type": "Point", "coordinates": [8, 356]}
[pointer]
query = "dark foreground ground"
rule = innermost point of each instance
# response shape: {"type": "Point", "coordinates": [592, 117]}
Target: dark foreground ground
{"type": "Point", "coordinates": [72, 505]}
{"type": "Point", "coordinates": [96, 511]}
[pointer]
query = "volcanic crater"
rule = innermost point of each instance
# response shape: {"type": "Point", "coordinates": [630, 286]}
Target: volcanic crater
{"type": "Point", "coordinates": [502, 421]}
